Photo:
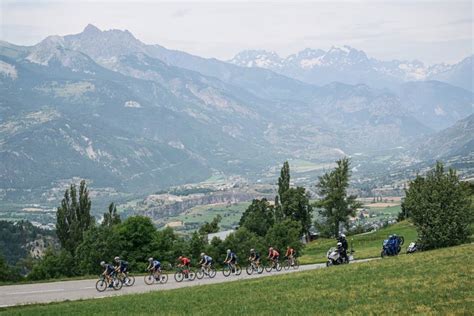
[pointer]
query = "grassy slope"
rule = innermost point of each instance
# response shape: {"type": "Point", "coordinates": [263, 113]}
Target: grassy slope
{"type": "Point", "coordinates": [365, 246]}
{"type": "Point", "coordinates": [430, 282]}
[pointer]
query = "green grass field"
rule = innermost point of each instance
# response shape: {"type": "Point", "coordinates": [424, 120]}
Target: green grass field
{"type": "Point", "coordinates": [434, 282]}
{"type": "Point", "coordinates": [365, 245]}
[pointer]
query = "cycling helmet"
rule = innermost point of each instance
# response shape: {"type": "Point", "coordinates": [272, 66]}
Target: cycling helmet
{"type": "Point", "coordinates": [339, 244]}
{"type": "Point", "coordinates": [150, 259]}
{"type": "Point", "coordinates": [252, 250]}
{"type": "Point", "coordinates": [343, 235]}
{"type": "Point", "coordinates": [102, 263]}
{"type": "Point", "coordinates": [180, 257]}
{"type": "Point", "coordinates": [228, 250]}
{"type": "Point", "coordinates": [271, 248]}
{"type": "Point", "coordinates": [117, 258]}
{"type": "Point", "coordinates": [202, 254]}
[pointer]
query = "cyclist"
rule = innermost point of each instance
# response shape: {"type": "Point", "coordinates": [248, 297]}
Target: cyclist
{"type": "Point", "coordinates": [273, 255]}
{"type": "Point", "coordinates": [122, 265]}
{"type": "Point", "coordinates": [108, 272]}
{"type": "Point", "coordinates": [206, 261]}
{"type": "Point", "coordinates": [184, 263]}
{"type": "Point", "coordinates": [290, 254]}
{"type": "Point", "coordinates": [231, 259]}
{"type": "Point", "coordinates": [154, 266]}
{"type": "Point", "coordinates": [254, 257]}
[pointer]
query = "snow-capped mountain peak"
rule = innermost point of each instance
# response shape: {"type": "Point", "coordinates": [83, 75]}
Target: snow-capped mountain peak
{"type": "Point", "coordinates": [258, 58]}
{"type": "Point", "coordinates": [349, 65]}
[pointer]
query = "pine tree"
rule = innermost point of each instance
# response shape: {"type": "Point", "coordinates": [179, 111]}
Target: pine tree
{"type": "Point", "coordinates": [335, 205]}
{"type": "Point", "coordinates": [112, 217]}
{"type": "Point", "coordinates": [284, 181]}
{"type": "Point", "coordinates": [73, 217]}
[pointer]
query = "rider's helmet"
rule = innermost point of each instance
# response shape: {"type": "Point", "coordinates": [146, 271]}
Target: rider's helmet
{"type": "Point", "coordinates": [202, 254]}
{"type": "Point", "coordinates": [102, 263]}
{"type": "Point", "coordinates": [150, 259]}
{"type": "Point", "coordinates": [339, 244]}
{"type": "Point", "coordinates": [271, 248]}
{"type": "Point", "coordinates": [180, 257]}
{"type": "Point", "coordinates": [343, 236]}
{"type": "Point", "coordinates": [252, 250]}
{"type": "Point", "coordinates": [228, 250]}
{"type": "Point", "coordinates": [117, 258]}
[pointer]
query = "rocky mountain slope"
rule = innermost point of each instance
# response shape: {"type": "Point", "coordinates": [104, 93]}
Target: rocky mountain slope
{"type": "Point", "coordinates": [134, 117]}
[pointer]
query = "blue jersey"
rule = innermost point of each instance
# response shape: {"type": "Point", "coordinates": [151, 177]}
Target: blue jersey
{"type": "Point", "coordinates": [207, 259]}
{"type": "Point", "coordinates": [109, 268]}
{"type": "Point", "coordinates": [231, 256]}
{"type": "Point", "coordinates": [123, 264]}
{"type": "Point", "coordinates": [156, 264]}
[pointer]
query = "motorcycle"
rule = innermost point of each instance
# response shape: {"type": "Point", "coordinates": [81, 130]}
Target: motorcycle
{"type": "Point", "coordinates": [392, 246]}
{"type": "Point", "coordinates": [412, 247]}
{"type": "Point", "coordinates": [334, 257]}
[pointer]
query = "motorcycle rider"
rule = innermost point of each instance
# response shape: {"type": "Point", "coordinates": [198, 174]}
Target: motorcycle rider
{"type": "Point", "coordinates": [344, 244]}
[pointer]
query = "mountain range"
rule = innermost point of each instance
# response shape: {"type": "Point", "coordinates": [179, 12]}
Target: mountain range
{"type": "Point", "coordinates": [134, 117]}
{"type": "Point", "coordinates": [349, 65]}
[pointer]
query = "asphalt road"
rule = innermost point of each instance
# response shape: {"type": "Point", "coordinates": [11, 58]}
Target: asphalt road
{"type": "Point", "coordinates": [11, 295]}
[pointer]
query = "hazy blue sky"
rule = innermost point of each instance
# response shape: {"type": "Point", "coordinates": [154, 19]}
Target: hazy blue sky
{"type": "Point", "coordinates": [431, 31]}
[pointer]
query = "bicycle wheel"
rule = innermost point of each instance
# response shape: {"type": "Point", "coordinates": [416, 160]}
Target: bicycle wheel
{"type": "Point", "coordinates": [249, 269]}
{"type": "Point", "coordinates": [268, 268]}
{"type": "Point", "coordinates": [129, 280]}
{"type": "Point", "coordinates": [117, 284]}
{"type": "Point", "coordinates": [191, 275]}
{"type": "Point", "coordinates": [296, 264]}
{"type": "Point", "coordinates": [226, 271]}
{"type": "Point", "coordinates": [259, 269]}
{"type": "Point", "coordinates": [149, 279]}
{"type": "Point", "coordinates": [200, 274]}
{"type": "Point", "coordinates": [163, 278]}
{"type": "Point", "coordinates": [238, 270]}
{"type": "Point", "coordinates": [101, 285]}
{"type": "Point", "coordinates": [212, 272]}
{"type": "Point", "coordinates": [285, 265]}
{"type": "Point", "coordinates": [178, 276]}
{"type": "Point", "coordinates": [278, 266]}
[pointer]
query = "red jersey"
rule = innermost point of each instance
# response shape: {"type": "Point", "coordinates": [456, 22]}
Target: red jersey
{"type": "Point", "coordinates": [290, 252]}
{"type": "Point", "coordinates": [185, 261]}
{"type": "Point", "coordinates": [273, 253]}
